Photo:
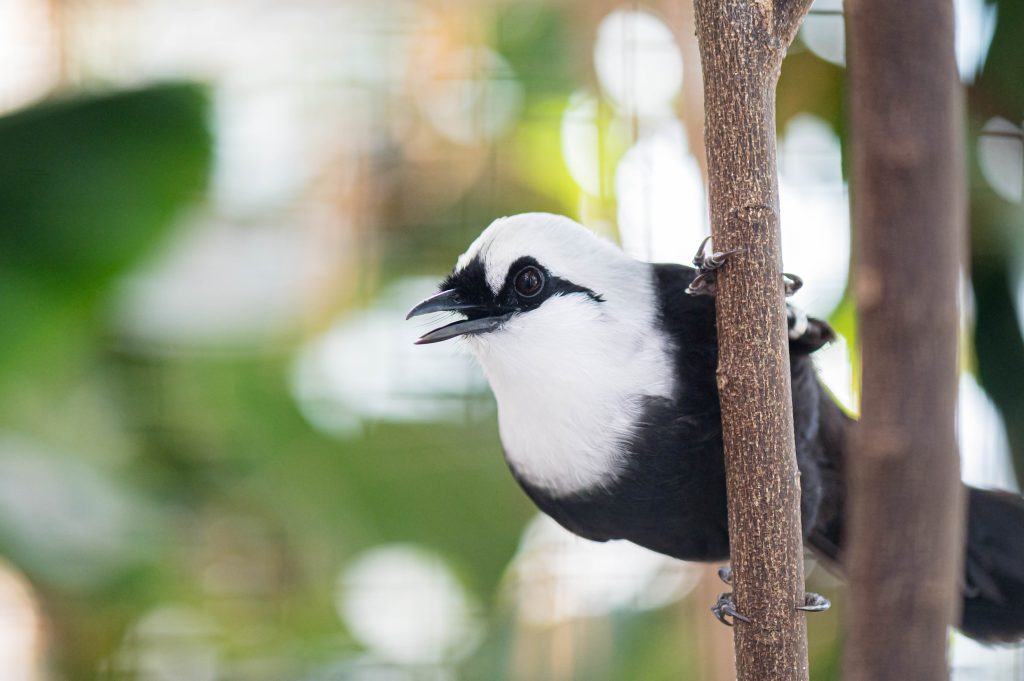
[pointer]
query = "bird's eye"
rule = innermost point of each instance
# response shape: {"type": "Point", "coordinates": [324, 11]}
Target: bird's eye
{"type": "Point", "coordinates": [529, 282]}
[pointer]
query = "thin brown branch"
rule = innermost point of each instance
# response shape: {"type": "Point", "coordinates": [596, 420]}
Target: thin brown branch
{"type": "Point", "coordinates": [789, 14]}
{"type": "Point", "coordinates": [741, 52]}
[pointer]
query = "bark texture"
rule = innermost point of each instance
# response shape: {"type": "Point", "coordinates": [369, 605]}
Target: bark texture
{"type": "Point", "coordinates": [742, 43]}
{"type": "Point", "coordinates": [906, 507]}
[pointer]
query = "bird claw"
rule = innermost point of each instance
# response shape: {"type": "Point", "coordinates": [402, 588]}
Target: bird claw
{"type": "Point", "coordinates": [706, 263]}
{"type": "Point", "coordinates": [791, 283]}
{"type": "Point", "coordinates": [704, 282]}
{"type": "Point", "coordinates": [725, 574]}
{"type": "Point", "coordinates": [814, 603]}
{"type": "Point", "coordinates": [724, 607]}
{"type": "Point", "coordinates": [702, 285]}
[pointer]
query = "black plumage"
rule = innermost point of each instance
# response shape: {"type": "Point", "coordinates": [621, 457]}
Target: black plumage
{"type": "Point", "coordinates": [660, 479]}
{"type": "Point", "coordinates": [671, 495]}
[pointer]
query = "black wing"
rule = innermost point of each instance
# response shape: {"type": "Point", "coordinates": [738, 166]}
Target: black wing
{"type": "Point", "coordinates": [691, 316]}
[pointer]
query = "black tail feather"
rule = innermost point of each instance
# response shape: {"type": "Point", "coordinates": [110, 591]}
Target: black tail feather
{"type": "Point", "coordinates": [993, 608]}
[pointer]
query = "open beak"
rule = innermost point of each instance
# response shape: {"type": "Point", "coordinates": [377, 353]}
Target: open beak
{"type": "Point", "coordinates": [483, 318]}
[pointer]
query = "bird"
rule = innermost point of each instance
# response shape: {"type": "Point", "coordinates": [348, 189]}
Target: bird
{"type": "Point", "coordinates": [603, 368]}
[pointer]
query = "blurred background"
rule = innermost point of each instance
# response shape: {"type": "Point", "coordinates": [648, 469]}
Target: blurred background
{"type": "Point", "coordinates": [221, 457]}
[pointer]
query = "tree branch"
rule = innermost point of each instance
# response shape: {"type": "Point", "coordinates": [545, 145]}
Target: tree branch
{"type": "Point", "coordinates": [789, 14]}
{"type": "Point", "coordinates": [906, 501]}
{"type": "Point", "coordinates": [742, 44]}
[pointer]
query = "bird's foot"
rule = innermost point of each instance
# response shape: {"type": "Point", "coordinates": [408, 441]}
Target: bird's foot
{"type": "Point", "coordinates": [704, 283]}
{"type": "Point", "coordinates": [707, 263]}
{"type": "Point", "coordinates": [724, 607]}
{"type": "Point", "coordinates": [725, 574]}
{"type": "Point", "coordinates": [791, 283]}
{"type": "Point", "coordinates": [814, 603]}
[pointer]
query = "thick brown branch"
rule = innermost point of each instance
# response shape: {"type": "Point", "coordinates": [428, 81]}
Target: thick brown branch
{"type": "Point", "coordinates": [909, 217]}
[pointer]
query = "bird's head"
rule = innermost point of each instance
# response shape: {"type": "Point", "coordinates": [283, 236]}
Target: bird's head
{"type": "Point", "coordinates": [564, 325]}
{"type": "Point", "coordinates": [536, 278]}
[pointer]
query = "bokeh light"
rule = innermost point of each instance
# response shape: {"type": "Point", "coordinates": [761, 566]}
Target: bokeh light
{"type": "Point", "coordinates": [226, 286]}
{"type": "Point", "coordinates": [973, 661]}
{"type": "Point", "coordinates": [559, 576]}
{"type": "Point", "coordinates": [366, 367]}
{"type": "Point", "coordinates": [638, 63]}
{"type": "Point", "coordinates": [815, 213]}
{"type": "Point", "coordinates": [214, 425]}
{"type": "Point", "coordinates": [70, 520]}
{"type": "Point", "coordinates": [823, 32]}
{"type": "Point", "coordinates": [170, 643]}
{"type": "Point", "coordinates": [660, 191]}
{"type": "Point", "coordinates": [21, 628]}
{"type": "Point", "coordinates": [975, 25]}
{"type": "Point", "coordinates": [404, 603]}
{"type": "Point", "coordinates": [27, 40]}
{"type": "Point", "coordinates": [1001, 157]}
{"type": "Point", "coordinates": [984, 451]}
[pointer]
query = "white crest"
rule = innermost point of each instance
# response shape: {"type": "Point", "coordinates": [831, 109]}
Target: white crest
{"type": "Point", "coordinates": [570, 377]}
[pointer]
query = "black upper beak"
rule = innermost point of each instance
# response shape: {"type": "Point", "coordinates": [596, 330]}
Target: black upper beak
{"type": "Point", "coordinates": [445, 301]}
{"type": "Point", "coordinates": [452, 301]}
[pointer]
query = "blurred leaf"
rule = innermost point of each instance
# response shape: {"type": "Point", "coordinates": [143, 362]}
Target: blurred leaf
{"type": "Point", "coordinates": [1000, 84]}
{"type": "Point", "coordinates": [1000, 348]}
{"type": "Point", "coordinates": [997, 231]}
{"type": "Point", "coordinates": [810, 84]}
{"type": "Point", "coordinates": [87, 187]}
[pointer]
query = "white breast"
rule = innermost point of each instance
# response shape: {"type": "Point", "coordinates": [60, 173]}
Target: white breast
{"type": "Point", "coordinates": [570, 378]}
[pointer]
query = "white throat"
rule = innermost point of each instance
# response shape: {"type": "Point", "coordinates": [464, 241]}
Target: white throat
{"type": "Point", "coordinates": [570, 379]}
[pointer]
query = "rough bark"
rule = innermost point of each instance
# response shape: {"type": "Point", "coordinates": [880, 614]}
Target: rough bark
{"type": "Point", "coordinates": [742, 43]}
{"type": "Point", "coordinates": [906, 508]}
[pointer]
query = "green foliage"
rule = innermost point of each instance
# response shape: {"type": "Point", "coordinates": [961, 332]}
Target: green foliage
{"type": "Point", "coordinates": [88, 185]}
{"type": "Point", "coordinates": [997, 231]}
{"type": "Point", "coordinates": [199, 447]}
{"type": "Point", "coordinates": [1001, 76]}
{"type": "Point", "coordinates": [809, 84]}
